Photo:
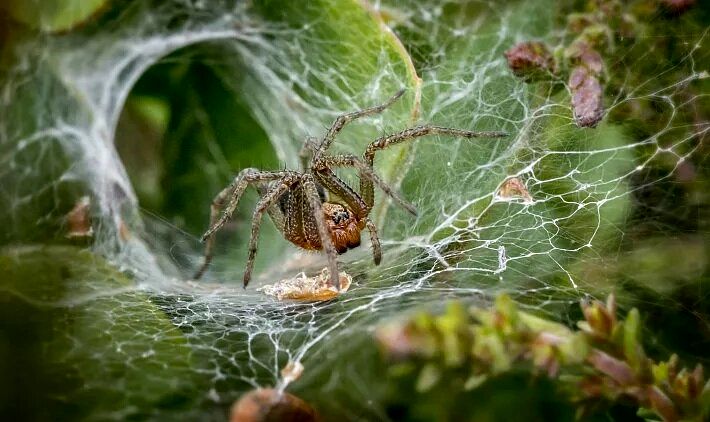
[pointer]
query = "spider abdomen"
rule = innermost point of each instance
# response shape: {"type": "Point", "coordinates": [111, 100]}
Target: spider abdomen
{"type": "Point", "coordinates": [300, 227]}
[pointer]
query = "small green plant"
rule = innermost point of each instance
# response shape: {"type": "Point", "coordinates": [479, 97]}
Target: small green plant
{"type": "Point", "coordinates": [603, 361]}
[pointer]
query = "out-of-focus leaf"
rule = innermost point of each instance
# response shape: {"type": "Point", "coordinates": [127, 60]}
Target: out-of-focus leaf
{"type": "Point", "coordinates": [428, 377]}
{"type": "Point", "coordinates": [632, 348]}
{"type": "Point", "coordinates": [53, 15]}
{"type": "Point", "coordinates": [89, 343]}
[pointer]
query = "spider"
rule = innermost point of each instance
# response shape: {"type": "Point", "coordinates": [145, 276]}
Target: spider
{"type": "Point", "coordinates": [298, 201]}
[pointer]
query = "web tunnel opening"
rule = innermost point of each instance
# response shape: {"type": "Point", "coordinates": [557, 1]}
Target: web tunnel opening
{"type": "Point", "coordinates": [183, 134]}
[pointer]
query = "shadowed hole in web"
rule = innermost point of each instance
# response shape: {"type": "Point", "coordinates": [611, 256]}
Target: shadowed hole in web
{"type": "Point", "coordinates": [183, 134]}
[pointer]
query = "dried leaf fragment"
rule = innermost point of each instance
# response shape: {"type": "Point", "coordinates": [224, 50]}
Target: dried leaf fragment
{"type": "Point", "coordinates": [303, 288]}
{"type": "Point", "coordinates": [291, 372]}
{"type": "Point", "coordinates": [514, 188]}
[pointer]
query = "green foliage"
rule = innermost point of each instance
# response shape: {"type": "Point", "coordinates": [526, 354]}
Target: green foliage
{"type": "Point", "coordinates": [603, 361]}
{"type": "Point", "coordinates": [53, 15]}
{"type": "Point", "coordinates": [73, 328]}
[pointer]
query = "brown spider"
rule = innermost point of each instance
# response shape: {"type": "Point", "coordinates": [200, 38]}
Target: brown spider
{"type": "Point", "coordinates": [299, 206]}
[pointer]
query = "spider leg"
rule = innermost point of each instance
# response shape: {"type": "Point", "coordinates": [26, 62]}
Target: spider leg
{"type": "Point", "coordinates": [327, 243]}
{"type": "Point", "coordinates": [234, 192]}
{"type": "Point", "coordinates": [262, 206]}
{"type": "Point", "coordinates": [375, 240]}
{"type": "Point", "coordinates": [309, 146]}
{"type": "Point", "coordinates": [366, 186]}
{"type": "Point", "coordinates": [277, 216]}
{"type": "Point", "coordinates": [332, 183]}
{"type": "Point", "coordinates": [344, 119]}
{"type": "Point", "coordinates": [230, 196]}
{"type": "Point", "coordinates": [329, 179]}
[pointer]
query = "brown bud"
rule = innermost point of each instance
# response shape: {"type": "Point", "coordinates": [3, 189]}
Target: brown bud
{"type": "Point", "coordinates": [614, 368]}
{"type": "Point", "coordinates": [696, 382]}
{"type": "Point", "coordinates": [586, 97]}
{"type": "Point", "coordinates": [581, 53]}
{"type": "Point", "coordinates": [270, 405]}
{"type": "Point", "coordinates": [661, 404]}
{"type": "Point", "coordinates": [601, 322]}
{"type": "Point", "coordinates": [531, 61]}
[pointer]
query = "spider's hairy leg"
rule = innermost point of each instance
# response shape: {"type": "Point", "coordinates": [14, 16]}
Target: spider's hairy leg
{"type": "Point", "coordinates": [332, 183]}
{"type": "Point", "coordinates": [344, 119]}
{"type": "Point", "coordinates": [326, 242]}
{"type": "Point", "coordinates": [424, 130]}
{"type": "Point", "coordinates": [309, 146]}
{"type": "Point", "coordinates": [375, 240]}
{"type": "Point", "coordinates": [262, 206]}
{"type": "Point", "coordinates": [234, 192]}
{"type": "Point", "coordinates": [277, 216]}
{"type": "Point", "coordinates": [365, 172]}
{"type": "Point", "coordinates": [231, 193]}
{"type": "Point", "coordinates": [366, 187]}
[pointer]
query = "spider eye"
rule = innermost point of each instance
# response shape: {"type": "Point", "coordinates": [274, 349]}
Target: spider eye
{"type": "Point", "coordinates": [341, 216]}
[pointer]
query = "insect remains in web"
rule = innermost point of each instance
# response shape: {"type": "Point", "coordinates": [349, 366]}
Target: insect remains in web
{"type": "Point", "coordinates": [308, 289]}
{"type": "Point", "coordinates": [299, 204]}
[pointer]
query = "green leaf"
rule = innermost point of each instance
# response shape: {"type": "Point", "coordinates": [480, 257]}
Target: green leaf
{"type": "Point", "coordinates": [705, 399]}
{"type": "Point", "coordinates": [90, 343]}
{"type": "Point", "coordinates": [475, 381]}
{"type": "Point", "coordinates": [428, 377]}
{"type": "Point", "coordinates": [53, 15]}
{"type": "Point", "coordinates": [632, 348]}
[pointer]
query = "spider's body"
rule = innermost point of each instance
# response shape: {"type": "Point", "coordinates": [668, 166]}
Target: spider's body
{"type": "Point", "coordinates": [297, 202]}
{"type": "Point", "coordinates": [301, 228]}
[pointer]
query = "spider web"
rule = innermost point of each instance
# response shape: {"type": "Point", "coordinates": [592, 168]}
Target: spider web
{"type": "Point", "coordinates": [469, 242]}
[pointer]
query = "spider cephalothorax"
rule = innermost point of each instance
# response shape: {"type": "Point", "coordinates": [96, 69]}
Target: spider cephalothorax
{"type": "Point", "coordinates": [298, 203]}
